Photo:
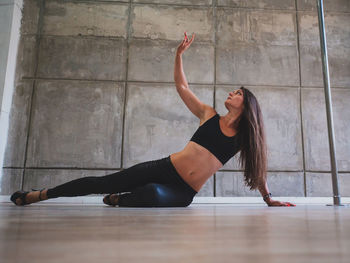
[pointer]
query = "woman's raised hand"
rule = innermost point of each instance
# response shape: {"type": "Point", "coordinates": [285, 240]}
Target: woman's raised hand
{"type": "Point", "coordinates": [185, 44]}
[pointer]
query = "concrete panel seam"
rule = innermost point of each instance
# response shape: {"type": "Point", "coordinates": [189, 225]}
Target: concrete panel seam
{"type": "Point", "coordinates": [215, 39]}
{"type": "Point", "coordinates": [318, 87]}
{"type": "Point", "coordinates": [256, 9]}
{"type": "Point", "coordinates": [75, 80]}
{"type": "Point", "coordinates": [71, 168]}
{"type": "Point", "coordinates": [171, 83]}
{"type": "Point", "coordinates": [128, 33]}
{"type": "Point", "coordinates": [171, 5]}
{"type": "Point", "coordinates": [220, 170]}
{"type": "Point", "coordinates": [325, 171]}
{"type": "Point", "coordinates": [79, 36]}
{"type": "Point", "coordinates": [298, 43]}
{"type": "Point", "coordinates": [11, 167]}
{"type": "Point", "coordinates": [302, 138]}
{"type": "Point", "coordinates": [300, 106]}
{"type": "Point", "coordinates": [310, 12]}
{"type": "Point", "coordinates": [270, 171]}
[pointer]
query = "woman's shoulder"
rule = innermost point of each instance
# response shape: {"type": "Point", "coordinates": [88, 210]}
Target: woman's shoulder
{"type": "Point", "coordinates": [208, 114]}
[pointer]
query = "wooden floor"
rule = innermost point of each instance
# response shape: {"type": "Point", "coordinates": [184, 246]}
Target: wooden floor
{"type": "Point", "coordinates": [47, 233]}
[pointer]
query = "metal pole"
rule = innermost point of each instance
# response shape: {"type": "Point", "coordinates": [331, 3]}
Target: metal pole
{"type": "Point", "coordinates": [336, 196]}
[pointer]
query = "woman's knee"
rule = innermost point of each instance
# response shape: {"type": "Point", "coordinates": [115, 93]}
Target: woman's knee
{"type": "Point", "coordinates": [168, 197]}
{"type": "Point", "coordinates": [154, 191]}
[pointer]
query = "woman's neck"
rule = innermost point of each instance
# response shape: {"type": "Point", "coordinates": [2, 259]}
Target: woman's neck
{"type": "Point", "coordinates": [230, 118]}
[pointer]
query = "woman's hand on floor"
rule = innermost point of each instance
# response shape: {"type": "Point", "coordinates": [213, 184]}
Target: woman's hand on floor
{"type": "Point", "coordinates": [185, 44]}
{"type": "Point", "coordinates": [279, 203]}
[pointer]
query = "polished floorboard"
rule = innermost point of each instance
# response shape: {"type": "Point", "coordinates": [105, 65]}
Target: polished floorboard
{"type": "Point", "coordinates": [45, 233]}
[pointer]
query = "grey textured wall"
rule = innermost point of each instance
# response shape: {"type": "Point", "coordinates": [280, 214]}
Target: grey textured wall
{"type": "Point", "coordinates": [95, 90]}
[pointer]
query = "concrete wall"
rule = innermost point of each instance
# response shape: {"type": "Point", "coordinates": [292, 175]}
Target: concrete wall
{"type": "Point", "coordinates": [95, 90]}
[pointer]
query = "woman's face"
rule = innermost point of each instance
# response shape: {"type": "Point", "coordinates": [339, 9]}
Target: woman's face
{"type": "Point", "coordinates": [234, 100]}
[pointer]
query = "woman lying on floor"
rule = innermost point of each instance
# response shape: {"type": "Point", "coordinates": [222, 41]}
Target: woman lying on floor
{"type": "Point", "coordinates": [176, 179]}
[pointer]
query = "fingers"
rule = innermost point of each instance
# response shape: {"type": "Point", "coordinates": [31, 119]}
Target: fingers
{"type": "Point", "coordinates": [186, 40]}
{"type": "Point", "coordinates": [288, 204]}
{"type": "Point", "coordinates": [279, 203]}
{"type": "Point", "coordinates": [192, 38]}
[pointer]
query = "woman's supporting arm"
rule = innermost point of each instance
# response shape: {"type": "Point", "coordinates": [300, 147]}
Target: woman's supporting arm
{"type": "Point", "coordinates": [264, 190]}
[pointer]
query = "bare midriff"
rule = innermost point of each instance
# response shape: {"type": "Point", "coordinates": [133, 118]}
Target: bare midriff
{"type": "Point", "coordinates": [195, 164]}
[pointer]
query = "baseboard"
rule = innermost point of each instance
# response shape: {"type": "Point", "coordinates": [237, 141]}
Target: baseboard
{"type": "Point", "coordinates": [95, 200]}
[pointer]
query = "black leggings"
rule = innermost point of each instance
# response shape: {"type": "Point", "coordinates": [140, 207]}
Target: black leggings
{"type": "Point", "coordinates": [150, 184]}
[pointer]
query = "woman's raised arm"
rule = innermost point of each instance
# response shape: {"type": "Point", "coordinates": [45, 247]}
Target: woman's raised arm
{"type": "Point", "coordinates": [192, 102]}
{"type": "Point", "coordinates": [179, 75]}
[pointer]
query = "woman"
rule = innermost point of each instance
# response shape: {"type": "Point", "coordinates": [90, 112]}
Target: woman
{"type": "Point", "coordinates": [176, 179]}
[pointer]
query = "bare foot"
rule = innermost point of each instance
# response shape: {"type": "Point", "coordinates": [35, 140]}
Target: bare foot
{"type": "Point", "coordinates": [33, 197]}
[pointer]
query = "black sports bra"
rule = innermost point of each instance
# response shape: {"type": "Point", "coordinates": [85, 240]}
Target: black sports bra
{"type": "Point", "coordinates": [210, 136]}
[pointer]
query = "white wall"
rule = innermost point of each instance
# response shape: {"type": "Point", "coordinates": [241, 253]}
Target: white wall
{"type": "Point", "coordinates": [10, 21]}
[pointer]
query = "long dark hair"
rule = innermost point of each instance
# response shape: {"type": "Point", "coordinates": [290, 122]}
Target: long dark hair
{"type": "Point", "coordinates": [253, 150]}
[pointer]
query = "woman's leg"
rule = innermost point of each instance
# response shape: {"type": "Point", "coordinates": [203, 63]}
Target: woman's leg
{"type": "Point", "coordinates": [156, 195]}
{"type": "Point", "coordinates": [123, 181]}
{"type": "Point", "coordinates": [141, 178]}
